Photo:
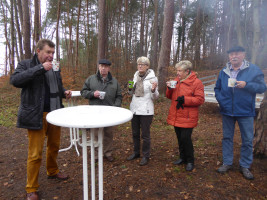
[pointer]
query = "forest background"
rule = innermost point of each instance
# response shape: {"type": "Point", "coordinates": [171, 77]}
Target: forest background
{"type": "Point", "coordinates": [122, 30]}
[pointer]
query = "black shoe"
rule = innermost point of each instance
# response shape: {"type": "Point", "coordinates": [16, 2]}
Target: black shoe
{"type": "Point", "coordinates": [189, 167]}
{"type": "Point", "coordinates": [144, 161]}
{"type": "Point", "coordinates": [224, 168]}
{"type": "Point", "coordinates": [133, 156]}
{"type": "Point", "coordinates": [179, 162]}
{"type": "Point", "coordinates": [246, 173]}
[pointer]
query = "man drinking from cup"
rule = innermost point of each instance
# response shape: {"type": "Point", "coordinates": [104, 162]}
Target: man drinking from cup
{"type": "Point", "coordinates": [103, 89]}
{"type": "Point", "coordinates": [237, 103]}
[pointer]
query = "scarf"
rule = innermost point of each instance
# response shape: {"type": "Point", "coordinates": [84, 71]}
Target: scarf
{"type": "Point", "coordinates": [138, 89]}
{"type": "Point", "coordinates": [51, 80]}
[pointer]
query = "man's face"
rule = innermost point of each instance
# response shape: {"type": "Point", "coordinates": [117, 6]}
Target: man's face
{"type": "Point", "coordinates": [236, 58]}
{"type": "Point", "coordinates": [46, 54]}
{"type": "Point", "coordinates": [181, 73]}
{"type": "Point", "coordinates": [103, 69]}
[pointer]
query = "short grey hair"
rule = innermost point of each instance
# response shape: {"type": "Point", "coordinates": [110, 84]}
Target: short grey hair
{"type": "Point", "coordinates": [185, 65]}
{"type": "Point", "coordinates": [143, 60]}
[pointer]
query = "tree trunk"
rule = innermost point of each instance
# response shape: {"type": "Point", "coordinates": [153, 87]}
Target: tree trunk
{"type": "Point", "coordinates": [26, 29]}
{"type": "Point", "coordinates": [256, 30]}
{"type": "Point", "coordinates": [20, 54]}
{"type": "Point", "coordinates": [12, 60]}
{"type": "Point", "coordinates": [154, 45]}
{"type": "Point", "coordinates": [262, 59]}
{"type": "Point", "coordinates": [164, 57]}
{"type": "Point", "coordinates": [57, 34]}
{"type": "Point", "coordinates": [237, 23]}
{"type": "Point", "coordinates": [260, 136]}
{"type": "Point", "coordinates": [142, 28]}
{"type": "Point", "coordinates": [101, 30]}
{"type": "Point", "coordinates": [37, 24]}
{"type": "Point", "coordinates": [77, 36]}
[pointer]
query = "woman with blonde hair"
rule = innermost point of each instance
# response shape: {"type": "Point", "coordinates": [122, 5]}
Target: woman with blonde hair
{"type": "Point", "coordinates": [144, 92]}
{"type": "Point", "coordinates": [186, 97]}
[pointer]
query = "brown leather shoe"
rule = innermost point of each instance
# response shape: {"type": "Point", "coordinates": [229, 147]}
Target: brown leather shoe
{"type": "Point", "coordinates": [32, 196]}
{"type": "Point", "coordinates": [60, 176]}
{"type": "Point", "coordinates": [109, 158]}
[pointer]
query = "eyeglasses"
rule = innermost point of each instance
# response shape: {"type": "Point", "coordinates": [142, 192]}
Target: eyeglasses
{"type": "Point", "coordinates": [142, 65]}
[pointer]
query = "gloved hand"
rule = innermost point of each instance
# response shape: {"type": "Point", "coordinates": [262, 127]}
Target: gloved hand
{"type": "Point", "coordinates": [180, 102]}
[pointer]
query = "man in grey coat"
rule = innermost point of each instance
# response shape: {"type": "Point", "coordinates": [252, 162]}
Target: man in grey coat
{"type": "Point", "coordinates": [96, 84]}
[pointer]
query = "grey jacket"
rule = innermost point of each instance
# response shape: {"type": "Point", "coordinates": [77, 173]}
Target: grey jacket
{"type": "Point", "coordinates": [112, 88]}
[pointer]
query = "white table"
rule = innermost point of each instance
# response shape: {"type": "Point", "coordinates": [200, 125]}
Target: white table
{"type": "Point", "coordinates": [74, 132]}
{"type": "Point", "coordinates": [93, 117]}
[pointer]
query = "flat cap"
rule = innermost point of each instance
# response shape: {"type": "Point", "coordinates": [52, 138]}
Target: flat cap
{"type": "Point", "coordinates": [104, 62]}
{"type": "Point", "coordinates": [236, 49]}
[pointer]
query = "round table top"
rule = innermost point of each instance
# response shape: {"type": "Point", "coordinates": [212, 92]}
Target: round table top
{"type": "Point", "coordinates": [89, 116]}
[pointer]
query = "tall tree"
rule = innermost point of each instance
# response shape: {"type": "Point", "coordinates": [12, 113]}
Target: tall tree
{"type": "Point", "coordinates": [57, 31]}
{"type": "Point", "coordinates": [256, 30]}
{"type": "Point", "coordinates": [154, 43]}
{"type": "Point", "coordinates": [101, 29]}
{"type": "Point", "coordinates": [26, 29]}
{"type": "Point", "coordinates": [164, 57]}
{"type": "Point", "coordinates": [20, 54]}
{"type": "Point", "coordinates": [37, 23]}
{"type": "Point", "coordinates": [12, 57]}
{"type": "Point", "coordinates": [77, 35]}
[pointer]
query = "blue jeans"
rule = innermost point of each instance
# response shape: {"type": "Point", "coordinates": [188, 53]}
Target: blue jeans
{"type": "Point", "coordinates": [246, 129]}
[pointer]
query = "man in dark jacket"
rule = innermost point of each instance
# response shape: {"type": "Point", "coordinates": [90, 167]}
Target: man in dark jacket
{"type": "Point", "coordinates": [235, 92]}
{"type": "Point", "coordinates": [96, 84]}
{"type": "Point", "coordinates": [42, 92]}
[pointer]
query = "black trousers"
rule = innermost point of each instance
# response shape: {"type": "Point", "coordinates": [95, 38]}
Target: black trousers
{"type": "Point", "coordinates": [143, 122]}
{"type": "Point", "coordinates": [185, 144]}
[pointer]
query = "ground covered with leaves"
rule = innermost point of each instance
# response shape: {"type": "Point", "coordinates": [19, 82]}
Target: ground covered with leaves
{"type": "Point", "coordinates": [160, 179]}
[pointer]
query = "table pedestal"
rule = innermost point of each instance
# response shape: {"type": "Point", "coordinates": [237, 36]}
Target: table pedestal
{"type": "Point", "coordinates": [93, 145]}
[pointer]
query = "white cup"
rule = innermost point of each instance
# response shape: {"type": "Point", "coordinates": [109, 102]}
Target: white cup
{"type": "Point", "coordinates": [55, 65]}
{"type": "Point", "coordinates": [231, 82]}
{"type": "Point", "coordinates": [102, 94]}
{"type": "Point", "coordinates": [173, 84]}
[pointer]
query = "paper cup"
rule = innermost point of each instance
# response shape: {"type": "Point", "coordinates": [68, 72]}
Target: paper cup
{"type": "Point", "coordinates": [231, 82]}
{"type": "Point", "coordinates": [173, 84]}
{"type": "Point", "coordinates": [130, 84]}
{"type": "Point", "coordinates": [55, 65]}
{"type": "Point", "coordinates": [102, 94]}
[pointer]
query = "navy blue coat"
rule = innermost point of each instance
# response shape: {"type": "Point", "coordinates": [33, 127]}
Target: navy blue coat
{"type": "Point", "coordinates": [239, 101]}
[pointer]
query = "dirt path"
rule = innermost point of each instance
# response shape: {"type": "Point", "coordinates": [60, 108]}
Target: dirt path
{"type": "Point", "coordinates": [160, 179]}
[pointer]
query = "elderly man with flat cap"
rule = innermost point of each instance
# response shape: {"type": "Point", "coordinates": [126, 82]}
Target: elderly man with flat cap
{"type": "Point", "coordinates": [94, 85]}
{"type": "Point", "coordinates": [235, 92]}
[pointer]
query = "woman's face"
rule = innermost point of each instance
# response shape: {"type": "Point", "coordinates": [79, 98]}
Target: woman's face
{"type": "Point", "coordinates": [181, 73]}
{"type": "Point", "coordinates": [142, 68]}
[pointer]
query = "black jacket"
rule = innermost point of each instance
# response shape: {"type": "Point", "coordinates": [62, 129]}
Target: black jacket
{"type": "Point", "coordinates": [30, 76]}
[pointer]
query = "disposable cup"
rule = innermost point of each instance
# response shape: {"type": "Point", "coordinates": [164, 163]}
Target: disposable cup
{"type": "Point", "coordinates": [173, 84]}
{"type": "Point", "coordinates": [102, 94]}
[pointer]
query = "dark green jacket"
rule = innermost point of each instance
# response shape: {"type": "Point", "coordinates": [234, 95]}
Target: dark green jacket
{"type": "Point", "coordinates": [112, 88]}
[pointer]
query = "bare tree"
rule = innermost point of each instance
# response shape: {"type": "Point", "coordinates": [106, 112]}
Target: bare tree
{"type": "Point", "coordinates": [164, 57]}
{"type": "Point", "coordinates": [20, 52]}
{"type": "Point", "coordinates": [256, 30]}
{"type": "Point", "coordinates": [77, 35]}
{"type": "Point", "coordinates": [37, 23]}
{"type": "Point", "coordinates": [57, 26]}
{"type": "Point", "coordinates": [154, 45]}
{"type": "Point", "coordinates": [12, 57]}
{"type": "Point", "coordinates": [101, 30]}
{"type": "Point", "coordinates": [26, 29]}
